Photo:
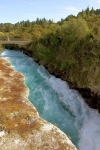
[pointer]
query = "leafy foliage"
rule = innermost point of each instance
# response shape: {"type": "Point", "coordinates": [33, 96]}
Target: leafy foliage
{"type": "Point", "coordinates": [71, 45]}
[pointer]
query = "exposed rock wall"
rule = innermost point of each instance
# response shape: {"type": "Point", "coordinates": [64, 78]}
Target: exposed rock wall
{"type": "Point", "coordinates": [20, 124]}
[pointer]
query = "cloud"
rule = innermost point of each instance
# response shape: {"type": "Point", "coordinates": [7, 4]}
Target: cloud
{"type": "Point", "coordinates": [71, 9]}
{"type": "Point", "coordinates": [95, 1]}
{"type": "Point", "coordinates": [32, 4]}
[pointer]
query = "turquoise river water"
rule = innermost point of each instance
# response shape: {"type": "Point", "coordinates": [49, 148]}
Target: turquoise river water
{"type": "Point", "coordinates": [57, 103]}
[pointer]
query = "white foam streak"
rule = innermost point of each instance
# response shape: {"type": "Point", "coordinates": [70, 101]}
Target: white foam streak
{"type": "Point", "coordinates": [87, 120]}
{"type": "Point", "coordinates": [90, 133]}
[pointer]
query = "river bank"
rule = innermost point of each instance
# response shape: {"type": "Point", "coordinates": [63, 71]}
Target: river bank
{"type": "Point", "coordinates": [20, 124]}
{"type": "Point", "coordinates": [91, 97]}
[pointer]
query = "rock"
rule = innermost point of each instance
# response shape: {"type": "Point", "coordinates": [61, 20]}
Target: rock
{"type": "Point", "coordinates": [20, 124]}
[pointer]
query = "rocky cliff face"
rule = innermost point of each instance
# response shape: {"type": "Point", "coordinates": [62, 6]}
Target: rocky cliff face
{"type": "Point", "coordinates": [20, 124]}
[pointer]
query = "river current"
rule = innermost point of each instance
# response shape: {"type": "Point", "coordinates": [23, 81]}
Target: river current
{"type": "Point", "coordinates": [58, 104]}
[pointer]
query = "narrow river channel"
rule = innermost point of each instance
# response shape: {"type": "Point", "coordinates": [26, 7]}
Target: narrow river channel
{"type": "Point", "coordinates": [57, 103]}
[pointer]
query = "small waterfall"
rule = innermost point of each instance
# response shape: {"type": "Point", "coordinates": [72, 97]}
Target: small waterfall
{"type": "Point", "coordinates": [57, 103]}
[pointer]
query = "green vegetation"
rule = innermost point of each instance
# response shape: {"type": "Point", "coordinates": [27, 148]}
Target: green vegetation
{"type": "Point", "coordinates": [1, 48]}
{"type": "Point", "coordinates": [71, 45]}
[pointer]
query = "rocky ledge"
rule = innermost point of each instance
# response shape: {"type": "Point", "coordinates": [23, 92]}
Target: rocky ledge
{"type": "Point", "coordinates": [20, 124]}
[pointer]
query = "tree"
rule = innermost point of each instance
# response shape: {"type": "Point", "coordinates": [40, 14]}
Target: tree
{"type": "Point", "coordinates": [92, 11]}
{"type": "Point", "coordinates": [87, 11]}
{"type": "Point", "coordinates": [27, 23]}
{"type": "Point", "coordinates": [75, 29]}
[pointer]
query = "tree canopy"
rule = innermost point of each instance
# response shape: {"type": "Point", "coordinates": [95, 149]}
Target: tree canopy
{"type": "Point", "coordinates": [68, 45]}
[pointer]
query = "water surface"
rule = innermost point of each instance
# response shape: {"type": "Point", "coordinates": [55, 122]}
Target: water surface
{"type": "Point", "coordinates": [57, 103]}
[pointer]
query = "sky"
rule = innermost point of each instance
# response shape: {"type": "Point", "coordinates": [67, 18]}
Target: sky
{"type": "Point", "coordinates": [13, 11]}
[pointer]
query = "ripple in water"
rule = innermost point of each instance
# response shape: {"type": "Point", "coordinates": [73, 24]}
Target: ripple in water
{"type": "Point", "coordinates": [57, 103]}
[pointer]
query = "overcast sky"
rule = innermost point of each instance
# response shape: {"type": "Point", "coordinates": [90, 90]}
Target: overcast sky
{"type": "Point", "coordinates": [14, 11]}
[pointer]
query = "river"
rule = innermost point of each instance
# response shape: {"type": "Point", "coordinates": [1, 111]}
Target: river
{"type": "Point", "coordinates": [58, 104]}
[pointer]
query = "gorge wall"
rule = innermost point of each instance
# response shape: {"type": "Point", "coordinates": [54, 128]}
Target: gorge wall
{"type": "Point", "coordinates": [90, 92]}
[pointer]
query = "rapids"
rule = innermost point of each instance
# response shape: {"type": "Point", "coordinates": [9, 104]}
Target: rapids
{"type": "Point", "coordinates": [58, 104]}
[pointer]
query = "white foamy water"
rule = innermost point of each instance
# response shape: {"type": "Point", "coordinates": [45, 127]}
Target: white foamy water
{"type": "Point", "coordinates": [57, 103]}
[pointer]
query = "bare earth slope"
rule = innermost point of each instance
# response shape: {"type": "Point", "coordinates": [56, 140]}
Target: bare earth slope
{"type": "Point", "coordinates": [21, 128]}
